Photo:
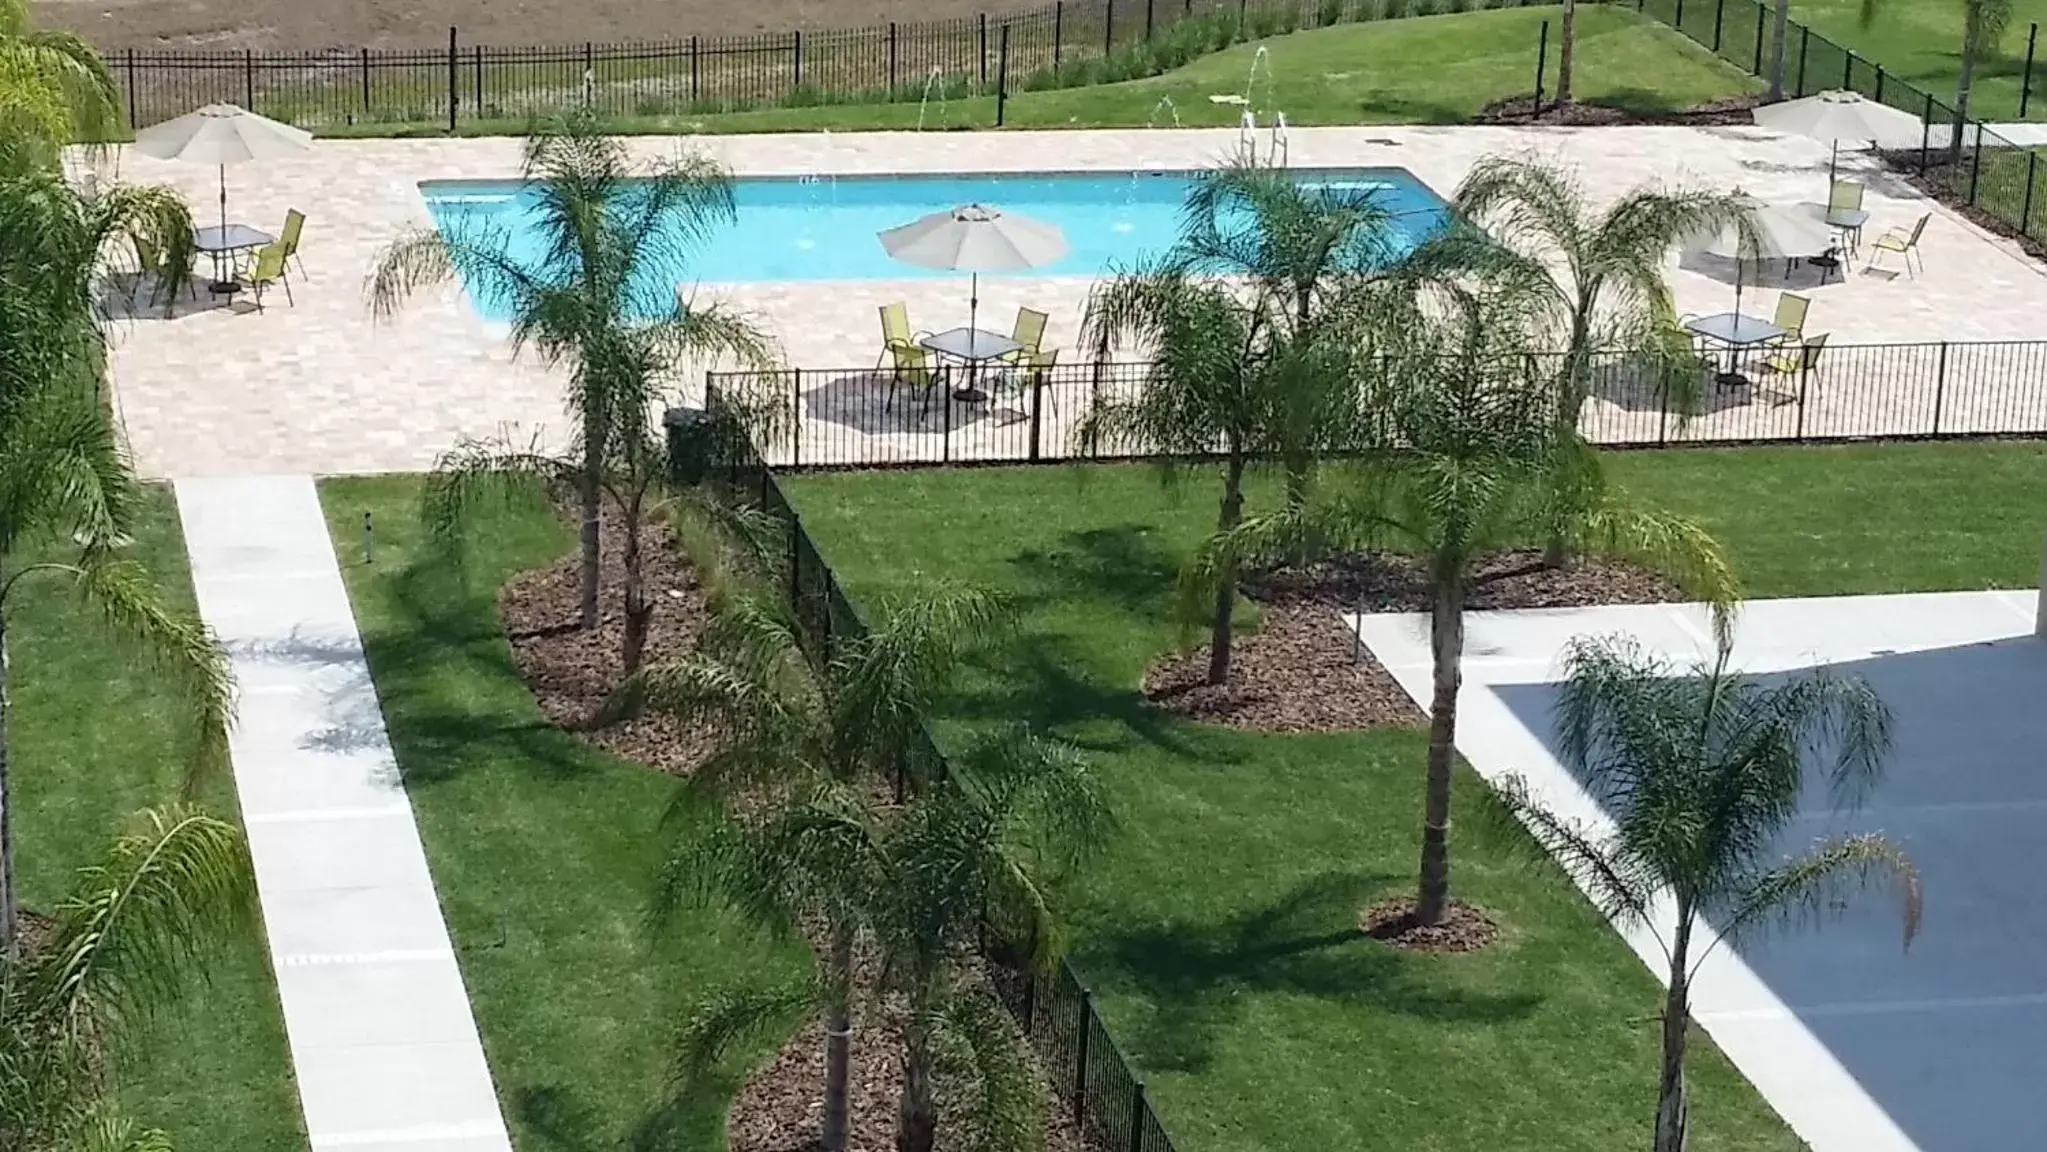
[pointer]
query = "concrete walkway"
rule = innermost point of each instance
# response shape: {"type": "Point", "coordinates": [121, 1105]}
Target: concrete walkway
{"type": "Point", "coordinates": [386, 1051]}
{"type": "Point", "coordinates": [1862, 1046]}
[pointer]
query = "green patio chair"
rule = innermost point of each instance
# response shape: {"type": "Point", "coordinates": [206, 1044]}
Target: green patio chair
{"type": "Point", "coordinates": [1028, 331]}
{"type": "Point", "coordinates": [911, 368]}
{"type": "Point", "coordinates": [1790, 316]}
{"type": "Point", "coordinates": [1802, 360]}
{"type": "Point", "coordinates": [149, 263]}
{"type": "Point", "coordinates": [265, 269]}
{"type": "Point", "coordinates": [294, 226]}
{"type": "Point", "coordinates": [895, 331]}
{"type": "Point", "coordinates": [1905, 244]}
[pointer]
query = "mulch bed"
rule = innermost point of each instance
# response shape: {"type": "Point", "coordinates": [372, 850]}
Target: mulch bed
{"type": "Point", "coordinates": [781, 1109]}
{"type": "Point", "coordinates": [572, 672]}
{"type": "Point", "coordinates": [1518, 110]}
{"type": "Point", "coordinates": [1302, 672]}
{"type": "Point", "coordinates": [1462, 928]}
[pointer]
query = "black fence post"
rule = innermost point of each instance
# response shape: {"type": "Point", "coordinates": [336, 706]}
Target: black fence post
{"type": "Point", "coordinates": [796, 405]}
{"type": "Point", "coordinates": [1058, 32]}
{"type": "Point", "coordinates": [1975, 162]}
{"type": "Point", "coordinates": [1037, 410]}
{"type": "Point", "coordinates": [1108, 26]}
{"type": "Point", "coordinates": [589, 74]}
{"type": "Point", "coordinates": [1939, 387]}
{"type": "Point", "coordinates": [891, 56]}
{"type": "Point", "coordinates": [1804, 376]}
{"type": "Point", "coordinates": [1087, 1015]}
{"type": "Point", "coordinates": [1719, 15]}
{"type": "Point", "coordinates": [1879, 97]}
{"type": "Point", "coordinates": [1848, 72]}
{"type": "Point", "coordinates": [1926, 135]}
{"type": "Point", "coordinates": [2026, 213]}
{"type": "Point", "coordinates": [476, 80]}
{"type": "Point", "coordinates": [1804, 42]}
{"type": "Point", "coordinates": [1147, 21]}
{"type": "Point", "coordinates": [1002, 74]}
{"type": "Point", "coordinates": [454, 95]}
{"type": "Point", "coordinates": [984, 51]}
{"type": "Point", "coordinates": [1137, 1110]}
{"type": "Point", "coordinates": [1541, 66]}
{"type": "Point", "coordinates": [133, 124]}
{"type": "Point", "coordinates": [796, 59]}
{"type": "Point", "coordinates": [1756, 68]}
{"type": "Point", "coordinates": [2026, 85]}
{"type": "Point", "coordinates": [693, 67]}
{"type": "Point", "coordinates": [1679, 23]}
{"type": "Point", "coordinates": [249, 78]}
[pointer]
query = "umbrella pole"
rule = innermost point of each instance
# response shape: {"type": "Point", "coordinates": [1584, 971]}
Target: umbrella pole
{"type": "Point", "coordinates": [974, 302]}
{"type": "Point", "coordinates": [223, 202]}
{"type": "Point", "coordinates": [1833, 161]}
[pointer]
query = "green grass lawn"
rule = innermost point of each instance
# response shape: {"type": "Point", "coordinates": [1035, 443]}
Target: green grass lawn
{"type": "Point", "coordinates": [1430, 70]}
{"type": "Point", "coordinates": [543, 851]}
{"type": "Point", "coordinates": [1220, 933]}
{"type": "Point", "coordinates": [1920, 41]}
{"type": "Point", "coordinates": [93, 740]}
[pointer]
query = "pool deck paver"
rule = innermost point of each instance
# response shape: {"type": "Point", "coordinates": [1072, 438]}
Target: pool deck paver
{"type": "Point", "coordinates": [386, 1051]}
{"type": "Point", "coordinates": [319, 388]}
{"type": "Point", "coordinates": [1861, 1045]}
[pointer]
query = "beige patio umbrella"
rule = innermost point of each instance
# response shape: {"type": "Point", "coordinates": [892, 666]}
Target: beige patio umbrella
{"type": "Point", "coordinates": [1768, 231]}
{"type": "Point", "coordinates": [221, 134]}
{"type": "Point", "coordinates": [975, 239]}
{"type": "Point", "coordinates": [1836, 116]}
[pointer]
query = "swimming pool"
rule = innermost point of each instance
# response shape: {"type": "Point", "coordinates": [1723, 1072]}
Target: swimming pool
{"type": "Point", "coordinates": [823, 228]}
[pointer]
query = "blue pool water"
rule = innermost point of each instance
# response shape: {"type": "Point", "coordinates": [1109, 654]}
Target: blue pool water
{"type": "Point", "coordinates": [824, 228]}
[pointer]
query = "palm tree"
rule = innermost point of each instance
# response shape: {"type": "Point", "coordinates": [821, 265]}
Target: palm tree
{"type": "Point", "coordinates": [1567, 46]}
{"type": "Point", "coordinates": [54, 89]}
{"type": "Point", "coordinates": [799, 737]}
{"type": "Point", "coordinates": [135, 928]}
{"type": "Point", "coordinates": [1984, 23]}
{"type": "Point", "coordinates": [601, 299]}
{"type": "Point", "coordinates": [1701, 769]}
{"type": "Point", "coordinates": [1304, 249]}
{"type": "Point", "coordinates": [972, 850]}
{"type": "Point", "coordinates": [1598, 274]}
{"type": "Point", "coordinates": [1478, 450]}
{"type": "Point", "coordinates": [63, 473]}
{"type": "Point", "coordinates": [1251, 329]}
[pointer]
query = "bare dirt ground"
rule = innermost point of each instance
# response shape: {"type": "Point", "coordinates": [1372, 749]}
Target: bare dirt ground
{"type": "Point", "coordinates": [295, 25]}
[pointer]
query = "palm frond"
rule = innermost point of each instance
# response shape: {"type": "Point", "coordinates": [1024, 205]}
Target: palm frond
{"type": "Point", "coordinates": [1619, 884]}
{"type": "Point", "coordinates": [734, 1017]}
{"type": "Point", "coordinates": [178, 647]}
{"type": "Point", "coordinates": [479, 476]}
{"type": "Point", "coordinates": [1813, 885]}
{"type": "Point", "coordinates": [478, 254]}
{"type": "Point", "coordinates": [984, 1067]}
{"type": "Point", "coordinates": [140, 924]}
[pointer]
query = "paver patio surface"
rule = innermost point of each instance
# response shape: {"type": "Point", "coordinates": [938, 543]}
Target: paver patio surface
{"type": "Point", "coordinates": [385, 1048]}
{"type": "Point", "coordinates": [1862, 1046]}
{"type": "Point", "coordinates": [318, 388]}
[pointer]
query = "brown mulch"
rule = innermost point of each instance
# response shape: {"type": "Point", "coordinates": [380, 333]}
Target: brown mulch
{"type": "Point", "coordinates": [1517, 110]}
{"type": "Point", "coordinates": [781, 1108]}
{"type": "Point", "coordinates": [1392, 582]}
{"type": "Point", "coordinates": [1299, 672]}
{"type": "Point", "coordinates": [33, 931]}
{"type": "Point", "coordinates": [1302, 672]}
{"type": "Point", "coordinates": [1462, 928]}
{"type": "Point", "coordinates": [572, 672]}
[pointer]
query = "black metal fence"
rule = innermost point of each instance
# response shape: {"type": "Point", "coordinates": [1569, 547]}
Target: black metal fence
{"type": "Point", "coordinates": [1088, 1073]}
{"type": "Point", "coordinates": [1937, 390]}
{"type": "Point", "coordinates": [1961, 161]}
{"type": "Point", "coordinates": [1071, 42]}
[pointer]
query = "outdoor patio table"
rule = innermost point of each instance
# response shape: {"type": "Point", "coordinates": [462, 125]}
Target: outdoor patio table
{"type": "Point", "coordinates": [218, 241]}
{"type": "Point", "coordinates": [1737, 332]}
{"type": "Point", "coordinates": [972, 347]}
{"type": "Point", "coordinates": [1849, 222]}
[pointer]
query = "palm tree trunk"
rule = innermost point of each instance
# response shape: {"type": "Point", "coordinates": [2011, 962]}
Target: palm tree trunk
{"type": "Point", "coordinates": [917, 1112]}
{"type": "Point", "coordinates": [592, 542]}
{"type": "Point", "coordinates": [7, 909]}
{"type": "Point", "coordinates": [637, 610]}
{"type": "Point", "coordinates": [1446, 629]}
{"type": "Point", "coordinates": [838, 1041]}
{"type": "Point", "coordinates": [1226, 588]}
{"type": "Point", "coordinates": [1673, 1104]}
{"type": "Point", "coordinates": [1572, 387]}
{"type": "Point", "coordinates": [1965, 87]}
{"type": "Point", "coordinates": [1780, 30]}
{"type": "Point", "coordinates": [1566, 43]}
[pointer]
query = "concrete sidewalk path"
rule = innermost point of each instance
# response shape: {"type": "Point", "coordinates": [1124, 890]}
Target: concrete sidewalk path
{"type": "Point", "coordinates": [386, 1050]}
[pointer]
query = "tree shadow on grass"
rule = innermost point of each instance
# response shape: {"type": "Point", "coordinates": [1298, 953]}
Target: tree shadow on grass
{"type": "Point", "coordinates": [1196, 977]}
{"type": "Point", "coordinates": [1043, 680]}
{"type": "Point", "coordinates": [452, 697]}
{"type": "Point", "coordinates": [552, 1119]}
{"type": "Point", "coordinates": [1118, 566]}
